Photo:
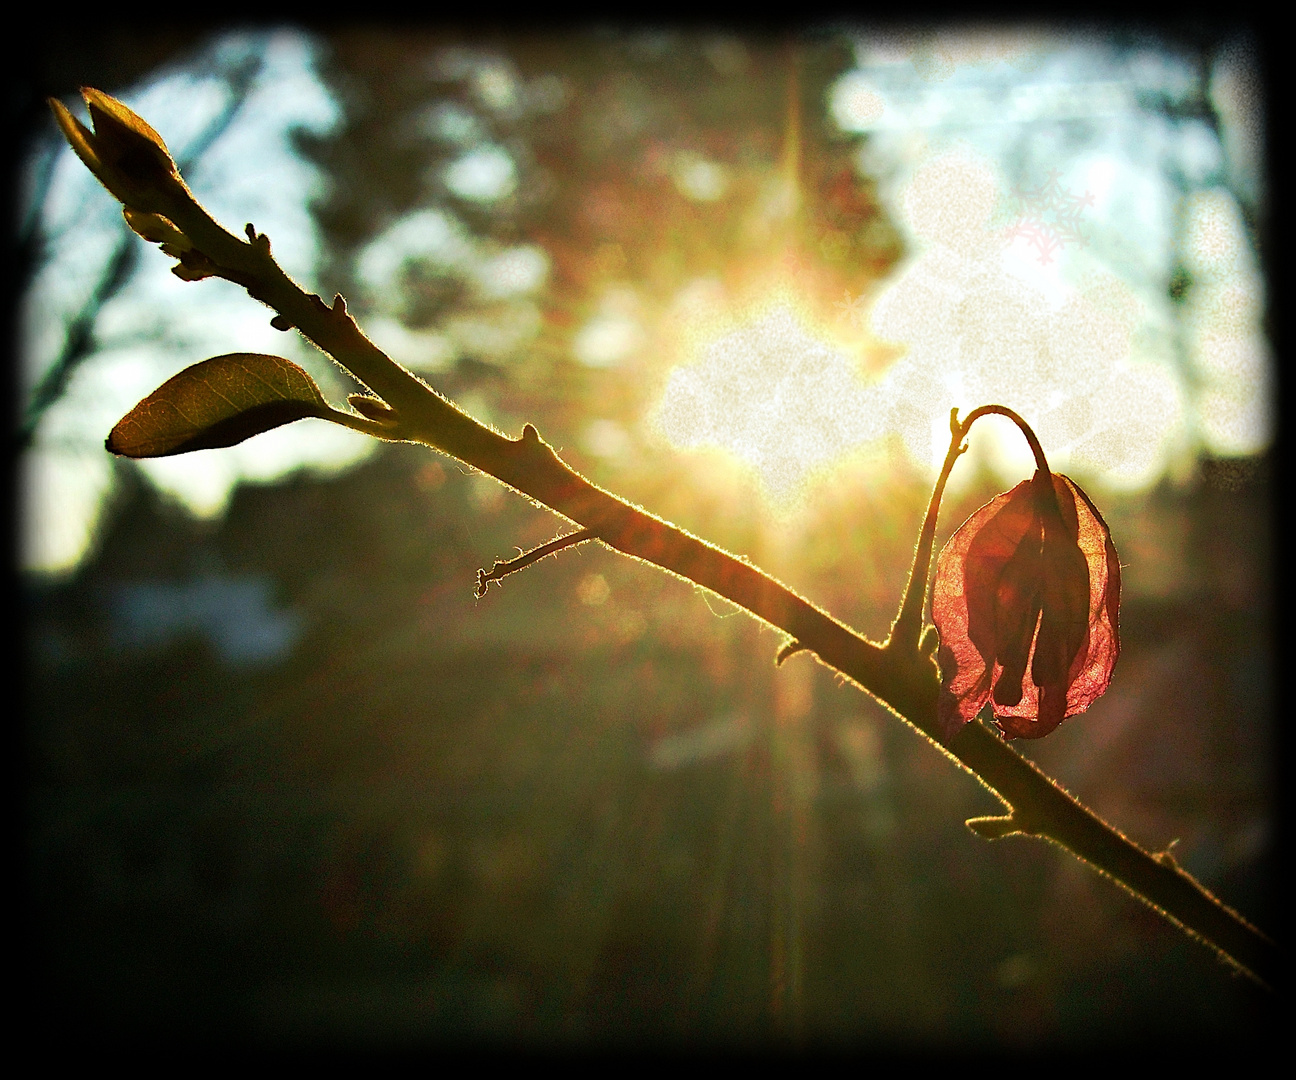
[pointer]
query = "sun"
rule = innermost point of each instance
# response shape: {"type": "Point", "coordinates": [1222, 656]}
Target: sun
{"type": "Point", "coordinates": [775, 386]}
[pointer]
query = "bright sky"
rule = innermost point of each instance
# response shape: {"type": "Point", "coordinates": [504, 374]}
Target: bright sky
{"type": "Point", "coordinates": [158, 325]}
{"type": "Point", "coordinates": [1043, 207]}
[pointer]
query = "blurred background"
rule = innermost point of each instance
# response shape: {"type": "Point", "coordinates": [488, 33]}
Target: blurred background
{"type": "Point", "coordinates": [288, 781]}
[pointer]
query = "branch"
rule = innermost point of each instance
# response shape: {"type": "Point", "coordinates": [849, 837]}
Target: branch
{"type": "Point", "coordinates": [906, 682]}
{"type": "Point", "coordinates": [1040, 807]}
{"type": "Point", "coordinates": [901, 675]}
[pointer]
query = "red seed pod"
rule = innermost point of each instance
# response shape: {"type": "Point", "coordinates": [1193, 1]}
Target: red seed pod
{"type": "Point", "coordinates": [1026, 601]}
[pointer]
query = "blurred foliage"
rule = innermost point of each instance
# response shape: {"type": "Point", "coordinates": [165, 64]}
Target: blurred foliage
{"type": "Point", "coordinates": [602, 129]}
{"type": "Point", "coordinates": [587, 809]}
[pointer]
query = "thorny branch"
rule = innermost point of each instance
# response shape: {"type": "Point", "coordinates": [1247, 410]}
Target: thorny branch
{"type": "Point", "coordinates": [901, 673]}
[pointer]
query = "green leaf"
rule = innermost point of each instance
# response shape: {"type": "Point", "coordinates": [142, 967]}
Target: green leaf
{"type": "Point", "coordinates": [220, 402]}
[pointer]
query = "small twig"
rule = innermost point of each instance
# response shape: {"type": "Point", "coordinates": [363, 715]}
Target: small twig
{"type": "Point", "coordinates": [503, 569]}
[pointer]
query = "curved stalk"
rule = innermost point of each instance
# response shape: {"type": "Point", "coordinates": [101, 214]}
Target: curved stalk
{"type": "Point", "coordinates": [905, 629]}
{"type": "Point", "coordinates": [1003, 410]}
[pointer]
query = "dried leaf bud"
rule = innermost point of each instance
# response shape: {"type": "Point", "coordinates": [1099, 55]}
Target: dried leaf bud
{"type": "Point", "coordinates": [125, 154]}
{"type": "Point", "coordinates": [157, 230]}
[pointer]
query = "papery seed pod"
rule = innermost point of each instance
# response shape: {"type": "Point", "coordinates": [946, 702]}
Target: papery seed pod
{"type": "Point", "coordinates": [1026, 600]}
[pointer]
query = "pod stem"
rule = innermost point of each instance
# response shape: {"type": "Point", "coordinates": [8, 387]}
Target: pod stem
{"type": "Point", "coordinates": [906, 629]}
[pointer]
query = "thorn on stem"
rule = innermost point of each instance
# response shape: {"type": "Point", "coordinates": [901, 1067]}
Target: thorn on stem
{"type": "Point", "coordinates": [791, 648]}
{"type": "Point", "coordinates": [994, 828]}
{"type": "Point", "coordinates": [280, 322]}
{"type": "Point", "coordinates": [260, 242]}
{"type": "Point", "coordinates": [339, 304]}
